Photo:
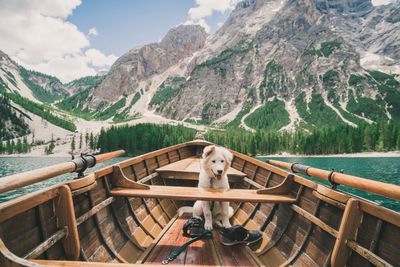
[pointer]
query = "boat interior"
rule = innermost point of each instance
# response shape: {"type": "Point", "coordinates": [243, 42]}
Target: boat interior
{"type": "Point", "coordinates": [132, 213]}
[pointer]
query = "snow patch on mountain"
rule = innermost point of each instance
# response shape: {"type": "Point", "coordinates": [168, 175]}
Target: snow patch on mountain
{"type": "Point", "coordinates": [294, 116]}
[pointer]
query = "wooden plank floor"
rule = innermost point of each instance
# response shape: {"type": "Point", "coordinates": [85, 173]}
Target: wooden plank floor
{"type": "Point", "coordinates": [202, 252]}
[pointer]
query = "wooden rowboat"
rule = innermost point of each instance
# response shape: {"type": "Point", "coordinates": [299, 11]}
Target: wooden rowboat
{"type": "Point", "coordinates": [131, 213]}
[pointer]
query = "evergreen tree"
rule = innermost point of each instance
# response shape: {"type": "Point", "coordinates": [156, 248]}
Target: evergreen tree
{"type": "Point", "coordinates": [91, 142]}
{"type": "Point", "coordinates": [73, 145]}
{"type": "Point", "coordinates": [87, 138]}
{"type": "Point", "coordinates": [80, 141]}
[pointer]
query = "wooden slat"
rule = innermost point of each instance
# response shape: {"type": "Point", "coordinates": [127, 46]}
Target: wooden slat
{"type": "Point", "coordinates": [104, 239]}
{"type": "Point", "coordinates": [135, 219]}
{"type": "Point", "coordinates": [125, 232]}
{"type": "Point", "coordinates": [380, 212]}
{"type": "Point", "coordinates": [84, 217]}
{"type": "Point", "coordinates": [80, 264]}
{"type": "Point", "coordinates": [315, 220]}
{"type": "Point", "coordinates": [42, 221]}
{"type": "Point", "coordinates": [148, 178]}
{"type": "Point", "coordinates": [82, 182]}
{"type": "Point", "coordinates": [348, 229]}
{"type": "Point", "coordinates": [365, 253]}
{"type": "Point", "coordinates": [272, 243]}
{"type": "Point", "coordinates": [44, 246]}
{"type": "Point", "coordinates": [194, 193]}
{"type": "Point", "coordinates": [142, 199]}
{"type": "Point", "coordinates": [7, 258]}
{"type": "Point", "coordinates": [282, 188]}
{"type": "Point", "coordinates": [305, 238]}
{"type": "Point", "coordinates": [252, 183]}
{"type": "Point", "coordinates": [329, 200]}
{"type": "Point", "coordinates": [21, 204]}
{"type": "Point", "coordinates": [66, 217]}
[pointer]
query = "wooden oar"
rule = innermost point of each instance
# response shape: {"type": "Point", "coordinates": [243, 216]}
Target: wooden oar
{"type": "Point", "coordinates": [18, 180]}
{"type": "Point", "coordinates": [383, 189]}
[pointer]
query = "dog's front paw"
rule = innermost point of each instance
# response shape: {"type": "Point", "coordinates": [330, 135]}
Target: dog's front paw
{"type": "Point", "coordinates": [208, 226]}
{"type": "Point", "coordinates": [226, 224]}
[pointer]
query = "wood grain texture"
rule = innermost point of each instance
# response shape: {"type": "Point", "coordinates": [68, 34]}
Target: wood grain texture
{"type": "Point", "coordinates": [119, 179]}
{"type": "Point", "coordinates": [194, 193]}
{"type": "Point", "coordinates": [66, 217]}
{"type": "Point", "coordinates": [347, 231]}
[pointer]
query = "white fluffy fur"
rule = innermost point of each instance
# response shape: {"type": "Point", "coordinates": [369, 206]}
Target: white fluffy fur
{"type": "Point", "coordinates": [214, 165]}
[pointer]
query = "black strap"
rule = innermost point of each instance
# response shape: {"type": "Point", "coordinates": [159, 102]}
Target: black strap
{"type": "Point", "coordinates": [182, 248]}
{"type": "Point", "coordinates": [333, 184]}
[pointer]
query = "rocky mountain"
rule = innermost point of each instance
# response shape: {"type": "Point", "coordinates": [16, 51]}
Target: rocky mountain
{"type": "Point", "coordinates": [33, 85]}
{"type": "Point", "coordinates": [142, 63]}
{"type": "Point", "coordinates": [274, 64]}
{"type": "Point", "coordinates": [26, 99]}
{"type": "Point", "coordinates": [303, 64]}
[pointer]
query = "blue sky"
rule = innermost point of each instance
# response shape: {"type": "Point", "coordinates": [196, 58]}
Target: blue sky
{"type": "Point", "coordinates": [124, 24]}
{"type": "Point", "coordinates": [70, 39]}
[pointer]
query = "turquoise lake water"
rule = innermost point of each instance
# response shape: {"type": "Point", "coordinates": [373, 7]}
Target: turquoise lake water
{"type": "Point", "coordinates": [380, 169]}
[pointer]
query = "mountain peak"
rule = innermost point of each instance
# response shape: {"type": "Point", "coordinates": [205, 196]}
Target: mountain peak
{"type": "Point", "coordinates": [360, 7]}
{"type": "Point", "coordinates": [3, 55]}
{"type": "Point", "coordinates": [184, 37]}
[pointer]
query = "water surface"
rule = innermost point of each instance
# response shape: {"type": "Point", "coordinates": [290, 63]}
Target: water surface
{"type": "Point", "coordinates": [12, 165]}
{"type": "Point", "coordinates": [380, 169]}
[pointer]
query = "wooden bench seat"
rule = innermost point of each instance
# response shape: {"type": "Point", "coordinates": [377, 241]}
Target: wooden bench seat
{"type": "Point", "coordinates": [189, 168]}
{"type": "Point", "coordinates": [194, 193]}
{"type": "Point", "coordinates": [202, 252]}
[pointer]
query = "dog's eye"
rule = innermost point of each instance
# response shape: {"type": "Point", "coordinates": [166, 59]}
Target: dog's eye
{"type": "Point", "coordinates": [213, 161]}
{"type": "Point", "coordinates": [222, 161]}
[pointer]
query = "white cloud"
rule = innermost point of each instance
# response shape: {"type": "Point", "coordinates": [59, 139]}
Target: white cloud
{"type": "Point", "coordinates": [201, 22]}
{"type": "Point", "coordinates": [36, 34]}
{"type": "Point", "coordinates": [70, 67]}
{"type": "Point", "coordinates": [205, 8]}
{"type": "Point", "coordinates": [381, 2]}
{"type": "Point", "coordinates": [93, 31]}
{"type": "Point", "coordinates": [98, 59]}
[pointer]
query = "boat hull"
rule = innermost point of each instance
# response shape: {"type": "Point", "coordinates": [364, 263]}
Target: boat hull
{"type": "Point", "coordinates": [84, 222]}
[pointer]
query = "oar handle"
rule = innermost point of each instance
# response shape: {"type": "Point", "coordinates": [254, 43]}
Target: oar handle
{"type": "Point", "coordinates": [109, 155]}
{"type": "Point", "coordinates": [383, 189]}
{"type": "Point", "coordinates": [18, 180]}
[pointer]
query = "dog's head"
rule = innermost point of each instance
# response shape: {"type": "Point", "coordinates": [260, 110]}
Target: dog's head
{"type": "Point", "coordinates": [216, 161]}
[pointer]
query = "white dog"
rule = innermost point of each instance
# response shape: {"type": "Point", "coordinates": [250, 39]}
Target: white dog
{"type": "Point", "coordinates": [214, 165]}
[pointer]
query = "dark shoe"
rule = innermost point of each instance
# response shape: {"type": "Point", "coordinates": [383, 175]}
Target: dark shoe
{"type": "Point", "coordinates": [239, 235]}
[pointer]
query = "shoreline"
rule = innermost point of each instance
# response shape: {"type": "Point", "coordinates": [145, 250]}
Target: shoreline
{"type": "Point", "coordinates": [389, 154]}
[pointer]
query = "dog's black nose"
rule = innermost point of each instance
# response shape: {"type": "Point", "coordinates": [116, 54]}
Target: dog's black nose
{"type": "Point", "coordinates": [219, 171]}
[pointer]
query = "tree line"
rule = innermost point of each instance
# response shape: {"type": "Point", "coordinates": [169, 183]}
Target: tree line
{"type": "Point", "coordinates": [139, 139]}
{"type": "Point", "coordinates": [382, 136]}
{"type": "Point", "coordinates": [19, 146]}
{"type": "Point", "coordinates": [142, 138]}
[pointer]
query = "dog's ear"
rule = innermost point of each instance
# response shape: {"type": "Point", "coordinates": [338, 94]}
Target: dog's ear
{"type": "Point", "coordinates": [208, 150]}
{"type": "Point", "coordinates": [227, 154]}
